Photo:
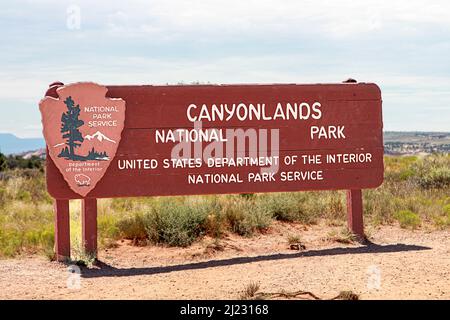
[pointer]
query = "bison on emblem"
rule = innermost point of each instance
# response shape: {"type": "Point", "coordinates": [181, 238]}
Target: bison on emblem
{"type": "Point", "coordinates": [82, 180]}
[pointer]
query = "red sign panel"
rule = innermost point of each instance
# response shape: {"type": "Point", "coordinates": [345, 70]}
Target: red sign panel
{"type": "Point", "coordinates": [181, 140]}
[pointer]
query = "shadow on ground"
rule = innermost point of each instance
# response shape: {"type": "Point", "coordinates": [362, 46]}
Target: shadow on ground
{"type": "Point", "coordinates": [105, 270]}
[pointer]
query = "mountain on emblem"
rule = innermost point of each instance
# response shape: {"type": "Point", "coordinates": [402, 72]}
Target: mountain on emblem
{"type": "Point", "coordinates": [99, 136]}
{"type": "Point", "coordinates": [81, 146]}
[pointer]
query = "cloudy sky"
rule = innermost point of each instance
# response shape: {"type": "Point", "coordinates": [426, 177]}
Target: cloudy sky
{"type": "Point", "coordinates": [403, 46]}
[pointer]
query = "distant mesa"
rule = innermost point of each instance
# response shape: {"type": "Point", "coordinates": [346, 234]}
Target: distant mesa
{"type": "Point", "coordinates": [10, 144]}
{"type": "Point", "coordinates": [40, 153]}
{"type": "Point", "coordinates": [99, 136]}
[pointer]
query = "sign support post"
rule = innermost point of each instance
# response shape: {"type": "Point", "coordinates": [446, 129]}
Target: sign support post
{"type": "Point", "coordinates": [62, 229]}
{"type": "Point", "coordinates": [355, 212]}
{"type": "Point", "coordinates": [89, 225]}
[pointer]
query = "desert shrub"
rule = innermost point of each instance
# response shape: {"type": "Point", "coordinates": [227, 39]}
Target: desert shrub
{"type": "Point", "coordinates": [126, 218]}
{"type": "Point", "coordinates": [379, 205]}
{"type": "Point", "coordinates": [17, 162]}
{"type": "Point", "coordinates": [335, 206]}
{"type": "Point", "coordinates": [26, 227]}
{"type": "Point", "coordinates": [245, 216]}
{"type": "Point", "coordinates": [433, 172]}
{"type": "Point", "coordinates": [26, 185]}
{"type": "Point", "coordinates": [399, 168]}
{"type": "Point", "coordinates": [215, 224]}
{"type": "Point", "coordinates": [302, 207]}
{"type": "Point", "coordinates": [314, 206]}
{"type": "Point", "coordinates": [443, 221]}
{"type": "Point", "coordinates": [108, 230]}
{"type": "Point", "coordinates": [446, 210]}
{"type": "Point", "coordinates": [428, 172]}
{"type": "Point", "coordinates": [281, 206]}
{"type": "Point", "coordinates": [10, 242]}
{"type": "Point", "coordinates": [42, 240]}
{"type": "Point", "coordinates": [445, 200]}
{"type": "Point", "coordinates": [406, 174]}
{"type": "Point", "coordinates": [435, 178]}
{"type": "Point", "coordinates": [23, 195]}
{"type": "Point", "coordinates": [382, 204]}
{"type": "Point", "coordinates": [132, 227]}
{"type": "Point", "coordinates": [235, 212]}
{"type": "Point", "coordinates": [176, 222]}
{"type": "Point", "coordinates": [407, 219]}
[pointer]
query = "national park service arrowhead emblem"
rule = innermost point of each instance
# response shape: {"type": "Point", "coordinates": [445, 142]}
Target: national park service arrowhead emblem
{"type": "Point", "coordinates": [82, 129]}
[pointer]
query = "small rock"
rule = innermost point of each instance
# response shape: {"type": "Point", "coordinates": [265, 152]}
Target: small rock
{"type": "Point", "coordinates": [297, 246]}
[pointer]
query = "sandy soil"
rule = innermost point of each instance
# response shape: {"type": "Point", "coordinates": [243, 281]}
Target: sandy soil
{"type": "Point", "coordinates": [400, 264]}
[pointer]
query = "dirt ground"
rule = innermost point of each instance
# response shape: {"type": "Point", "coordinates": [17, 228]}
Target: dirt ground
{"type": "Point", "coordinates": [399, 264]}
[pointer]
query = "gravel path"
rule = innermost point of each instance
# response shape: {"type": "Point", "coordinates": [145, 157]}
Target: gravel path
{"type": "Point", "coordinates": [400, 264]}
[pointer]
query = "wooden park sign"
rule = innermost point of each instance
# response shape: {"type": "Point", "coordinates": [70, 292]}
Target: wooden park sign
{"type": "Point", "coordinates": [129, 141]}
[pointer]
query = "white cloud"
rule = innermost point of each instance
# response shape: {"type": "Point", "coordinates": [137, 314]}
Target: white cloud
{"type": "Point", "coordinates": [402, 45]}
{"type": "Point", "coordinates": [338, 18]}
{"type": "Point", "coordinates": [343, 18]}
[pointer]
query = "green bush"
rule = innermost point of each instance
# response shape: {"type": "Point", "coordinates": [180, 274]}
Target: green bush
{"type": "Point", "coordinates": [399, 168]}
{"type": "Point", "coordinates": [15, 240]}
{"type": "Point", "coordinates": [443, 221]}
{"type": "Point", "coordinates": [282, 206]}
{"type": "Point", "coordinates": [17, 162]}
{"type": "Point", "coordinates": [433, 172]}
{"type": "Point", "coordinates": [10, 242]}
{"type": "Point", "coordinates": [25, 227]}
{"type": "Point", "coordinates": [132, 227]}
{"type": "Point", "coordinates": [406, 174]}
{"type": "Point", "coordinates": [215, 224]}
{"type": "Point", "coordinates": [26, 185]}
{"type": "Point", "coordinates": [408, 219]}
{"type": "Point", "coordinates": [43, 240]}
{"type": "Point", "coordinates": [379, 205]}
{"type": "Point", "coordinates": [447, 210]}
{"type": "Point", "coordinates": [108, 229]}
{"type": "Point", "coordinates": [301, 207]}
{"type": "Point", "coordinates": [435, 178]}
{"type": "Point", "coordinates": [176, 222]}
{"type": "Point", "coordinates": [314, 206]}
{"type": "Point", "coordinates": [245, 216]}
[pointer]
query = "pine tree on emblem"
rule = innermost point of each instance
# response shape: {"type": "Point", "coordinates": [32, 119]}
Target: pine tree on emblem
{"type": "Point", "coordinates": [69, 127]}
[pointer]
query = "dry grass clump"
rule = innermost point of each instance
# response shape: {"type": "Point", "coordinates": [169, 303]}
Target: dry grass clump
{"type": "Point", "coordinates": [251, 292]}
